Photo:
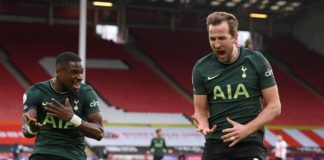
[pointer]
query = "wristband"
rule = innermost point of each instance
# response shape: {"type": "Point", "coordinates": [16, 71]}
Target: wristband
{"type": "Point", "coordinates": [30, 131]}
{"type": "Point", "coordinates": [76, 120]}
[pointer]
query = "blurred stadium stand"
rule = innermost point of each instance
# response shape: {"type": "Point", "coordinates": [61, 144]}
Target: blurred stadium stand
{"type": "Point", "coordinates": [298, 57]}
{"type": "Point", "coordinates": [10, 98]}
{"type": "Point", "coordinates": [113, 84]}
{"type": "Point", "coordinates": [175, 53]}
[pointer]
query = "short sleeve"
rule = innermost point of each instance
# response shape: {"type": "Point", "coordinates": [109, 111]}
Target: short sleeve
{"type": "Point", "coordinates": [164, 144]}
{"type": "Point", "coordinates": [91, 102]}
{"type": "Point", "coordinates": [198, 82]}
{"type": "Point", "coordinates": [152, 143]}
{"type": "Point", "coordinates": [31, 99]}
{"type": "Point", "coordinates": [265, 72]}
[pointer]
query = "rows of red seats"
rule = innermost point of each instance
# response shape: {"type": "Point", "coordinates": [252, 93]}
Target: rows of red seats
{"type": "Point", "coordinates": [137, 89]}
{"type": "Point", "coordinates": [300, 106]}
{"type": "Point", "coordinates": [304, 63]}
{"type": "Point", "coordinates": [174, 51]}
{"type": "Point", "coordinates": [11, 97]}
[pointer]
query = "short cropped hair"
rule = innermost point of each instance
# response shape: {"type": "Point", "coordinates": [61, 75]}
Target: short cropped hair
{"type": "Point", "coordinates": [157, 130]}
{"type": "Point", "coordinates": [217, 18]}
{"type": "Point", "coordinates": [67, 57]}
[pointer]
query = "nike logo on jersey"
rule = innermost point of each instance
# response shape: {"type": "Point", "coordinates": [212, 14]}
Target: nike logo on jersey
{"type": "Point", "coordinates": [45, 103]}
{"type": "Point", "coordinates": [212, 77]}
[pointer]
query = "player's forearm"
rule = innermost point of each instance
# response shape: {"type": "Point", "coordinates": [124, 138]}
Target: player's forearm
{"type": "Point", "coordinates": [271, 111]}
{"type": "Point", "coordinates": [202, 114]}
{"type": "Point", "coordinates": [92, 130]}
{"type": "Point", "coordinates": [201, 109]}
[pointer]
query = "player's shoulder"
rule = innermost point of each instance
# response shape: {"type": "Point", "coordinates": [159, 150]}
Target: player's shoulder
{"type": "Point", "coordinates": [202, 61]}
{"type": "Point", "coordinates": [38, 87]}
{"type": "Point", "coordinates": [255, 57]}
{"type": "Point", "coordinates": [251, 54]}
{"type": "Point", "coordinates": [86, 88]}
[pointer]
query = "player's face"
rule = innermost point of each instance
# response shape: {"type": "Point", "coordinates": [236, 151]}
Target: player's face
{"type": "Point", "coordinates": [158, 134]}
{"type": "Point", "coordinates": [221, 41]}
{"type": "Point", "coordinates": [71, 75]}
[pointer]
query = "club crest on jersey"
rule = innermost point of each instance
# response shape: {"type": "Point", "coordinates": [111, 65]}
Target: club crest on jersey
{"type": "Point", "coordinates": [244, 70]}
{"type": "Point", "coordinates": [76, 105]}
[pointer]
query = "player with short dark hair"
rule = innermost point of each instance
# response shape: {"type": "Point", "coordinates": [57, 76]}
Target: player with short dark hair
{"type": "Point", "coordinates": [158, 146]}
{"type": "Point", "coordinates": [60, 112]}
{"type": "Point", "coordinates": [231, 84]}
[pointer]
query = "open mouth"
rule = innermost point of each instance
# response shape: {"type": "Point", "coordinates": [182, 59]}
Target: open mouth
{"type": "Point", "coordinates": [221, 53]}
{"type": "Point", "coordinates": [76, 86]}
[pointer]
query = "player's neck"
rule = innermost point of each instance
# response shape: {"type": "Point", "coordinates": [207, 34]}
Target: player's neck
{"type": "Point", "coordinates": [57, 87]}
{"type": "Point", "coordinates": [235, 53]}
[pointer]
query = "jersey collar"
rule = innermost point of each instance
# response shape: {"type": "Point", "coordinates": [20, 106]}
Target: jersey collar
{"type": "Point", "coordinates": [52, 87]}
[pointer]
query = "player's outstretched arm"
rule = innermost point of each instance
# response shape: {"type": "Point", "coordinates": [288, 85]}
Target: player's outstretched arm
{"type": "Point", "coordinates": [30, 125]}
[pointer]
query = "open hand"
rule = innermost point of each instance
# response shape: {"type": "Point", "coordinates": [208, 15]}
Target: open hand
{"type": "Point", "coordinates": [202, 127]}
{"type": "Point", "coordinates": [57, 109]}
{"type": "Point", "coordinates": [236, 133]}
{"type": "Point", "coordinates": [33, 124]}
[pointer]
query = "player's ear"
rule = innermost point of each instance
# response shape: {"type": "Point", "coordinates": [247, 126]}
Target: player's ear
{"type": "Point", "coordinates": [59, 69]}
{"type": "Point", "coordinates": [235, 38]}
